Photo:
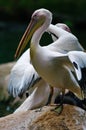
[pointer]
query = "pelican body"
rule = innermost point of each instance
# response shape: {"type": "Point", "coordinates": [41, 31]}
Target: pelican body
{"type": "Point", "coordinates": [54, 67]}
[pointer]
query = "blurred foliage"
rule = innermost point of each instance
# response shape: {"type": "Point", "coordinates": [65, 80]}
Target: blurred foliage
{"type": "Point", "coordinates": [72, 7]}
{"type": "Point", "coordinates": [13, 12]}
{"type": "Point", "coordinates": [8, 106]}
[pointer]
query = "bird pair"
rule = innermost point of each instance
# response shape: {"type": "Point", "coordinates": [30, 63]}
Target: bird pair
{"type": "Point", "coordinates": [58, 64]}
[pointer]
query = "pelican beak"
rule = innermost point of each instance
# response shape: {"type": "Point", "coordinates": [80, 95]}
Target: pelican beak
{"type": "Point", "coordinates": [32, 27]}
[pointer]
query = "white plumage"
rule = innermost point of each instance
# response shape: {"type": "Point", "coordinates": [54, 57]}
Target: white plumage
{"type": "Point", "coordinates": [56, 65]}
{"type": "Point", "coordinates": [23, 71]}
{"type": "Point", "coordinates": [70, 43]}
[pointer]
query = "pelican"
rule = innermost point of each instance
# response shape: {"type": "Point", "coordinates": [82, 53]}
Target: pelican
{"type": "Point", "coordinates": [66, 40]}
{"type": "Point", "coordinates": [19, 73]}
{"type": "Point", "coordinates": [57, 69]}
{"type": "Point", "coordinates": [23, 69]}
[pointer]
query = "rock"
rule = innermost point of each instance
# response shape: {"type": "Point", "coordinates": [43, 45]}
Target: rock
{"type": "Point", "coordinates": [7, 103]}
{"type": "Point", "coordinates": [71, 118]}
{"type": "Point", "coordinates": [4, 78]}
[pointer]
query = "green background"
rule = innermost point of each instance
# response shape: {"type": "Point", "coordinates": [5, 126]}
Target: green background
{"type": "Point", "coordinates": [15, 16]}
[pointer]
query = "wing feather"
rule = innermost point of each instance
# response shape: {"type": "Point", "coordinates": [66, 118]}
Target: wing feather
{"type": "Point", "coordinates": [22, 76]}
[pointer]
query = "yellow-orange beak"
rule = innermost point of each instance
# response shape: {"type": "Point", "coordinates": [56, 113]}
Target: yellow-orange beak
{"type": "Point", "coordinates": [25, 38]}
{"type": "Point", "coordinates": [32, 27]}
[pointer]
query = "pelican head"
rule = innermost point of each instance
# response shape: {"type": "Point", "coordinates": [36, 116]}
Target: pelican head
{"type": "Point", "coordinates": [41, 17]}
{"type": "Point", "coordinates": [63, 26]}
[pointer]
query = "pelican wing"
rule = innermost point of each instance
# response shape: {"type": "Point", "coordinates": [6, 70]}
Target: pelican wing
{"type": "Point", "coordinates": [79, 61]}
{"type": "Point", "coordinates": [75, 63]}
{"type": "Point", "coordinates": [22, 76]}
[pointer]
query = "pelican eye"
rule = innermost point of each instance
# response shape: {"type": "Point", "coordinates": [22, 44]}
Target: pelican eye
{"type": "Point", "coordinates": [34, 17]}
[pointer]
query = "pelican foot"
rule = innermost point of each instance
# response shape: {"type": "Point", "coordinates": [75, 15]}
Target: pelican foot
{"type": "Point", "coordinates": [58, 109]}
